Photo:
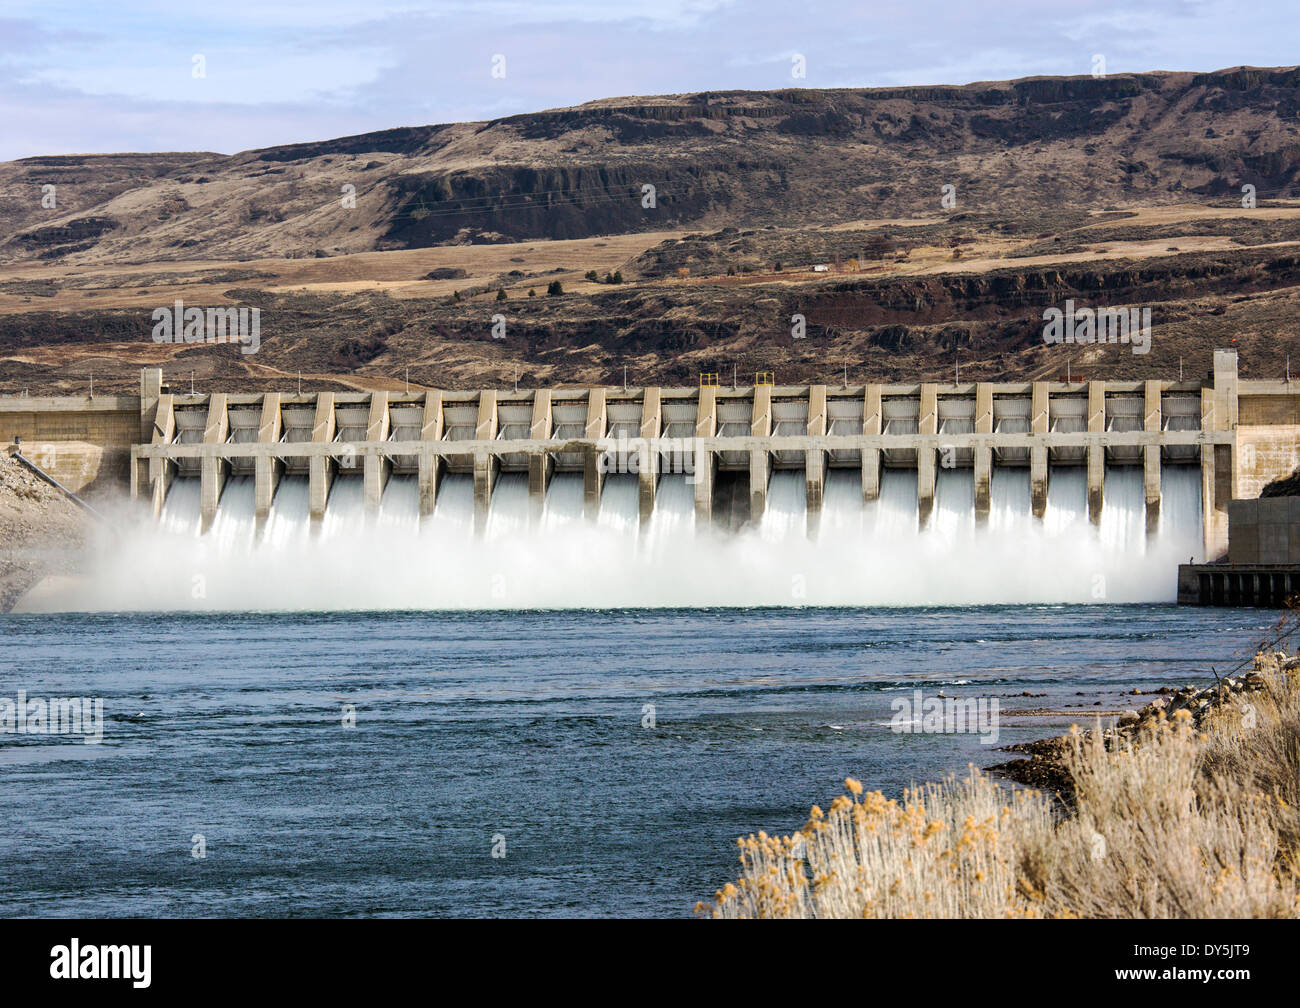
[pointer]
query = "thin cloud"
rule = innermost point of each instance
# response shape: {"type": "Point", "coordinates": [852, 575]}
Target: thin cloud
{"type": "Point", "coordinates": [80, 76]}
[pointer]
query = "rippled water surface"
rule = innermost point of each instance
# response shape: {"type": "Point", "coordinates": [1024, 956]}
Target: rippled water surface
{"type": "Point", "coordinates": [527, 726]}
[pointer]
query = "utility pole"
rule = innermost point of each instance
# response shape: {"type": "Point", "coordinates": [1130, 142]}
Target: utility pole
{"type": "Point", "coordinates": [299, 382]}
{"type": "Point", "coordinates": [92, 384]}
{"type": "Point", "coordinates": [624, 377]}
{"type": "Point", "coordinates": [408, 379]}
{"type": "Point", "coordinates": [516, 377]}
{"type": "Point", "coordinates": [192, 382]}
{"type": "Point", "coordinates": [733, 377]}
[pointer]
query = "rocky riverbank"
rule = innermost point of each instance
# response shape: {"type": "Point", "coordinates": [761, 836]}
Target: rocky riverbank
{"type": "Point", "coordinates": [1183, 809]}
{"type": "Point", "coordinates": [42, 533]}
{"type": "Point", "coordinates": [1046, 768]}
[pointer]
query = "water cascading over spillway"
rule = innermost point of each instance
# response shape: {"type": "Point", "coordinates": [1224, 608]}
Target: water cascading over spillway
{"type": "Point", "coordinates": [862, 553]}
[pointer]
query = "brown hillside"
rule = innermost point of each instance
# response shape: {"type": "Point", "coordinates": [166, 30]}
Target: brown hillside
{"type": "Point", "coordinates": [1119, 190]}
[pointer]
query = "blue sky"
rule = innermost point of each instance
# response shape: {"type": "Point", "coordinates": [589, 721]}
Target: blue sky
{"type": "Point", "coordinates": [78, 76]}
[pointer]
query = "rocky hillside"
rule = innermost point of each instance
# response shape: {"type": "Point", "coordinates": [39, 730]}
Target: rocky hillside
{"type": "Point", "coordinates": [41, 532]}
{"type": "Point", "coordinates": [717, 159]}
{"type": "Point", "coordinates": [1286, 486]}
{"type": "Point", "coordinates": [377, 258]}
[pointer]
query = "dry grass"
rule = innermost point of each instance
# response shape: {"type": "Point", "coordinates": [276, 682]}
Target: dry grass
{"type": "Point", "coordinates": [399, 273]}
{"type": "Point", "coordinates": [1183, 824]}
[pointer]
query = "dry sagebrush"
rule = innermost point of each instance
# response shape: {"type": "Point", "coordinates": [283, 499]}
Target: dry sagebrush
{"type": "Point", "coordinates": [1181, 824]}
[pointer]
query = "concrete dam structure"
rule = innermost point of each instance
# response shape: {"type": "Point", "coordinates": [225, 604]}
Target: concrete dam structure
{"type": "Point", "coordinates": [758, 494]}
{"type": "Point", "coordinates": [729, 441]}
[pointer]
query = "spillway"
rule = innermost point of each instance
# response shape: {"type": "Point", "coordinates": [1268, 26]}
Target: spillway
{"type": "Point", "coordinates": [861, 495]}
{"type": "Point", "coordinates": [869, 553]}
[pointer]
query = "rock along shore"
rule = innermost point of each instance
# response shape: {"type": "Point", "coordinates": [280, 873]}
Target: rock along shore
{"type": "Point", "coordinates": [1045, 766]}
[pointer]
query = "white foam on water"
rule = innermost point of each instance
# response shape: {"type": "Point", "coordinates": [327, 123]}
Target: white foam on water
{"type": "Point", "coordinates": [863, 553]}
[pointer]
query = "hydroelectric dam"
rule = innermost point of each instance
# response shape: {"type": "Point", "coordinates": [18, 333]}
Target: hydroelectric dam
{"type": "Point", "coordinates": [906, 494]}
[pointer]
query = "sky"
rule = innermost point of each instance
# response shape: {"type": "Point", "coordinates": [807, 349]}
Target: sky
{"type": "Point", "coordinates": [164, 75]}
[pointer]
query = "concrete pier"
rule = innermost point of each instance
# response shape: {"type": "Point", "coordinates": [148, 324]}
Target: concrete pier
{"type": "Point", "coordinates": [871, 425]}
{"type": "Point", "coordinates": [1220, 405]}
{"type": "Point", "coordinates": [815, 459]}
{"type": "Point", "coordinates": [428, 466]}
{"type": "Point", "coordinates": [213, 468]}
{"type": "Point", "coordinates": [706, 427]}
{"type": "Point", "coordinates": [983, 483]}
{"type": "Point", "coordinates": [1038, 480]}
{"type": "Point", "coordinates": [151, 391]}
{"type": "Point", "coordinates": [705, 467]}
{"type": "Point", "coordinates": [143, 479]}
{"type": "Point", "coordinates": [1096, 457]}
{"type": "Point", "coordinates": [648, 466]}
{"type": "Point", "coordinates": [160, 466]}
{"type": "Point", "coordinates": [485, 472]}
{"type": "Point", "coordinates": [925, 483]}
{"type": "Point", "coordinates": [760, 426]}
{"type": "Point", "coordinates": [593, 480]}
{"type": "Point", "coordinates": [321, 466]}
{"type": "Point", "coordinates": [647, 488]}
{"type": "Point", "coordinates": [1151, 458]}
{"type": "Point", "coordinates": [1039, 423]}
{"type": "Point", "coordinates": [267, 468]}
{"type": "Point", "coordinates": [375, 465]}
{"type": "Point", "coordinates": [428, 479]}
{"type": "Point", "coordinates": [759, 474]}
{"type": "Point", "coordinates": [927, 420]}
{"type": "Point", "coordinates": [927, 424]}
{"type": "Point", "coordinates": [1096, 481]}
{"type": "Point", "coordinates": [983, 458]}
{"type": "Point", "coordinates": [486, 427]}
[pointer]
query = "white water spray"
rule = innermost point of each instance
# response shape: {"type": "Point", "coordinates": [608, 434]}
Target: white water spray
{"type": "Point", "coordinates": [864, 554]}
